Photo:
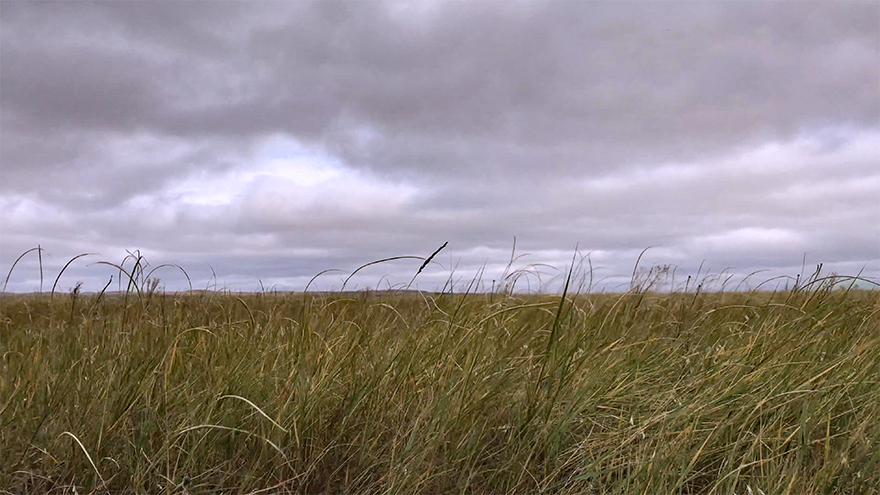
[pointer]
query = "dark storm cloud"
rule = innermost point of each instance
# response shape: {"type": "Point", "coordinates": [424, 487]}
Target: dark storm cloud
{"type": "Point", "coordinates": [616, 125]}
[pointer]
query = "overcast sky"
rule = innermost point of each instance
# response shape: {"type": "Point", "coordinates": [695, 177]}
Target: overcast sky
{"type": "Point", "coordinates": [273, 140]}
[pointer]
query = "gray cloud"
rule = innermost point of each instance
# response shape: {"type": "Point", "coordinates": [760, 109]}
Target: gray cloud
{"type": "Point", "coordinates": [741, 132]}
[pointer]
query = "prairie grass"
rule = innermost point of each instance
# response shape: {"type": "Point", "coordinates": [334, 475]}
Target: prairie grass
{"type": "Point", "coordinates": [414, 393]}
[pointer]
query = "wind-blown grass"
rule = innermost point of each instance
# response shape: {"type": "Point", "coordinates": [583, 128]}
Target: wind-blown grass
{"type": "Point", "coordinates": [415, 393]}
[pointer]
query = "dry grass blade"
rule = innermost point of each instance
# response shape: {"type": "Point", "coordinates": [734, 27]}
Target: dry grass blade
{"type": "Point", "coordinates": [65, 268]}
{"type": "Point", "coordinates": [319, 274]}
{"type": "Point", "coordinates": [515, 308]}
{"type": "Point", "coordinates": [9, 274]}
{"type": "Point", "coordinates": [235, 430]}
{"type": "Point", "coordinates": [423, 265]}
{"type": "Point", "coordinates": [385, 260]}
{"type": "Point", "coordinates": [172, 265]}
{"type": "Point", "coordinates": [256, 409]}
{"type": "Point", "coordinates": [86, 452]}
{"type": "Point", "coordinates": [131, 279]}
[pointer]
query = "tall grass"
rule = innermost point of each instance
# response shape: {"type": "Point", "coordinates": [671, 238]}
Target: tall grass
{"type": "Point", "coordinates": [774, 393]}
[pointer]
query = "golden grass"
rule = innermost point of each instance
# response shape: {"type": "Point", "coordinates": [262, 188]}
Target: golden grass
{"type": "Point", "coordinates": [473, 393]}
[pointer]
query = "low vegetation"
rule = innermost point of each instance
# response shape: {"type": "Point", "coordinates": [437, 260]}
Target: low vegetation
{"type": "Point", "coordinates": [415, 393]}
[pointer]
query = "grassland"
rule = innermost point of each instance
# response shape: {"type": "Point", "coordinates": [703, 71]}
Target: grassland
{"type": "Point", "coordinates": [640, 393]}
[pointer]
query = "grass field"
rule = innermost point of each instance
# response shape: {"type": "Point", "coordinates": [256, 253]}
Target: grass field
{"type": "Point", "coordinates": [636, 393]}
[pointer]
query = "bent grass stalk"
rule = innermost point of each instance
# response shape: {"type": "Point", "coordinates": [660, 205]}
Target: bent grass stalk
{"type": "Point", "coordinates": [236, 430]}
{"type": "Point", "coordinates": [256, 409]}
{"type": "Point", "coordinates": [86, 452]}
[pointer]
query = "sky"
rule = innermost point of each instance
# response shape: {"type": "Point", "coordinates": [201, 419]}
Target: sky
{"type": "Point", "coordinates": [257, 144]}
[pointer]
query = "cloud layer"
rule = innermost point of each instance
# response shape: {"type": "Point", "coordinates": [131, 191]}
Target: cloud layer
{"type": "Point", "coordinates": [274, 140]}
